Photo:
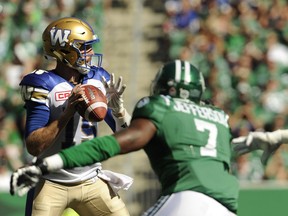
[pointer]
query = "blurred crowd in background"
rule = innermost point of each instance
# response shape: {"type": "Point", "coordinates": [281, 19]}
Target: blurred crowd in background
{"type": "Point", "coordinates": [240, 46]}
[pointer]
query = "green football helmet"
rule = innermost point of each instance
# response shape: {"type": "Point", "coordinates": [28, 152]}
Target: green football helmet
{"type": "Point", "coordinates": [179, 79]}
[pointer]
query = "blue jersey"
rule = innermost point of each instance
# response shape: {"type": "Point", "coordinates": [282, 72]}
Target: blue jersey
{"type": "Point", "coordinates": [45, 94]}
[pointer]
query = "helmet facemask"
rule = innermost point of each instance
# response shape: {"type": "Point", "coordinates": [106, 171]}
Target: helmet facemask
{"type": "Point", "coordinates": [86, 58]}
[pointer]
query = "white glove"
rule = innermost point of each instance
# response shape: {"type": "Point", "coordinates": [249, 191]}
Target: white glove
{"type": "Point", "coordinates": [269, 142]}
{"type": "Point", "coordinates": [114, 95]}
{"type": "Point", "coordinates": [23, 179]}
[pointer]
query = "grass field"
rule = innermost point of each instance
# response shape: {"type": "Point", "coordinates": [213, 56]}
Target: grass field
{"type": "Point", "coordinates": [265, 199]}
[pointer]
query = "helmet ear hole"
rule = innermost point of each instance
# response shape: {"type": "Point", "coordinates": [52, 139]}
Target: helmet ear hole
{"type": "Point", "coordinates": [172, 92]}
{"type": "Point", "coordinates": [64, 51]}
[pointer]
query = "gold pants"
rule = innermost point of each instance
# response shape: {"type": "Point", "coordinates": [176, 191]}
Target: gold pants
{"type": "Point", "coordinates": [93, 197]}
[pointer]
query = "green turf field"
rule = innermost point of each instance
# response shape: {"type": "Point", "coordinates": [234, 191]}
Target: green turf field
{"type": "Point", "coordinates": [260, 199]}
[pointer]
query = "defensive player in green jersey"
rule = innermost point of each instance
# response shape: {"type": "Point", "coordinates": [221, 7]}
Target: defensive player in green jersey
{"type": "Point", "coordinates": [186, 141]}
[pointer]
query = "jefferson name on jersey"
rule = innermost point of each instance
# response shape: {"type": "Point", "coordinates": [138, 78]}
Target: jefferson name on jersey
{"type": "Point", "coordinates": [202, 112]}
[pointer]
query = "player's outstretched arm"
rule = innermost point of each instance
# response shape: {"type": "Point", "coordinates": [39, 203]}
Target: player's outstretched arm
{"type": "Point", "coordinates": [25, 178]}
{"type": "Point", "coordinates": [269, 142]}
{"type": "Point", "coordinates": [133, 138]}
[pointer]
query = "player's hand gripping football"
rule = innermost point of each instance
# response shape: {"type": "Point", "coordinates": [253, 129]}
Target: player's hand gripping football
{"type": "Point", "coordinates": [25, 178]}
{"type": "Point", "coordinates": [74, 99]}
{"type": "Point", "coordinates": [269, 142]}
{"type": "Point", "coordinates": [114, 94]}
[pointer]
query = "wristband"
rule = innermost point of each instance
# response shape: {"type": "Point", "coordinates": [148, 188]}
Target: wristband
{"type": "Point", "coordinates": [123, 121]}
{"type": "Point", "coordinates": [42, 166]}
{"type": "Point", "coordinates": [54, 162]}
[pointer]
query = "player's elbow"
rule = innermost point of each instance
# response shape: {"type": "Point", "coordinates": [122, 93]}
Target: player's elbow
{"type": "Point", "coordinates": [34, 147]}
{"type": "Point", "coordinates": [33, 150]}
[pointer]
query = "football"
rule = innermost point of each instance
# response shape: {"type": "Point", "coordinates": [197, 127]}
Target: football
{"type": "Point", "coordinates": [94, 106]}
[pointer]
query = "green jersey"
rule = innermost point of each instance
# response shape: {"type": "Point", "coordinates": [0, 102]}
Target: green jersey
{"type": "Point", "coordinates": [191, 149]}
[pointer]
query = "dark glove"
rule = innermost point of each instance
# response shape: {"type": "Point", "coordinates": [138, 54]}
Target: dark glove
{"type": "Point", "coordinates": [25, 178]}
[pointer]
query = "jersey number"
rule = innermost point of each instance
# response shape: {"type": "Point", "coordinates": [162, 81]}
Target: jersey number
{"type": "Point", "coordinates": [210, 147]}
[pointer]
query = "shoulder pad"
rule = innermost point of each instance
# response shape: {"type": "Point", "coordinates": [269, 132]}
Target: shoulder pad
{"type": "Point", "coordinates": [97, 73]}
{"type": "Point", "coordinates": [41, 79]}
{"type": "Point", "coordinates": [153, 107]}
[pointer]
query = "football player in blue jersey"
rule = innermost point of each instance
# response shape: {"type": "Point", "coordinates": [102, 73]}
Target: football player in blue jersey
{"type": "Point", "coordinates": [186, 140]}
{"type": "Point", "coordinates": [52, 124]}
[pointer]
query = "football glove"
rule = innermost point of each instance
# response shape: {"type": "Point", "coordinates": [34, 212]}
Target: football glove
{"type": "Point", "coordinates": [114, 93]}
{"type": "Point", "coordinates": [25, 178]}
{"type": "Point", "coordinates": [269, 142]}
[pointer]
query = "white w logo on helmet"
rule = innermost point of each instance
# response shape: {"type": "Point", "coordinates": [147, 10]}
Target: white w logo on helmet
{"type": "Point", "coordinates": [60, 36]}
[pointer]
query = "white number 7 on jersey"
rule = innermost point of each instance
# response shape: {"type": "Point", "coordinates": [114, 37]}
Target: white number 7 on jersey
{"type": "Point", "coordinates": [210, 148]}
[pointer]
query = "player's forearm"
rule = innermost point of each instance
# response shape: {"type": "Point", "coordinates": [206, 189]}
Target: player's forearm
{"type": "Point", "coordinates": [90, 152]}
{"type": "Point", "coordinates": [42, 138]}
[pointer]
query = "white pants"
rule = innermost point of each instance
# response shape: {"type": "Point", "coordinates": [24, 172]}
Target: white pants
{"type": "Point", "coordinates": [188, 203]}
